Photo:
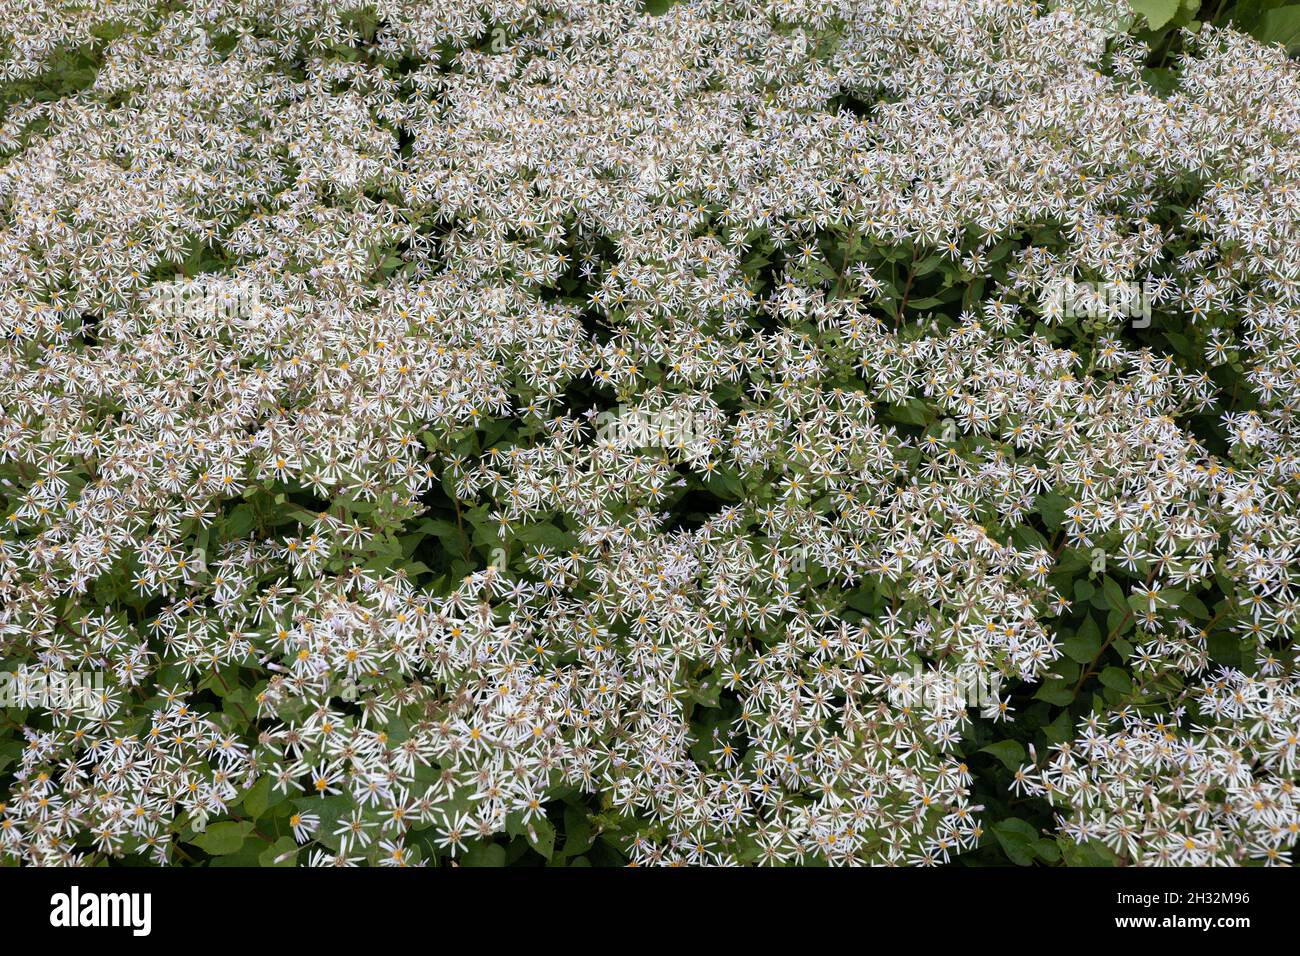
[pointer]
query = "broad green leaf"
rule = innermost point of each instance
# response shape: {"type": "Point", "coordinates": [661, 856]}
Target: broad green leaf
{"type": "Point", "coordinates": [1017, 839]}
{"type": "Point", "coordinates": [222, 839]}
{"type": "Point", "coordinates": [577, 831]}
{"type": "Point", "coordinates": [485, 854]}
{"type": "Point", "coordinates": [541, 836]}
{"type": "Point", "coordinates": [257, 797]}
{"type": "Point", "coordinates": [1057, 692]}
{"type": "Point", "coordinates": [1084, 644]}
{"type": "Point", "coordinates": [1116, 679]}
{"type": "Point", "coordinates": [1061, 729]}
{"type": "Point", "coordinates": [1280, 26]}
{"type": "Point", "coordinates": [1010, 752]}
{"type": "Point", "coordinates": [1115, 597]}
{"type": "Point", "coordinates": [283, 852]}
{"type": "Point", "coordinates": [1156, 12]}
{"type": "Point", "coordinates": [912, 412]}
{"type": "Point", "coordinates": [1092, 853]}
{"type": "Point", "coordinates": [1052, 507]}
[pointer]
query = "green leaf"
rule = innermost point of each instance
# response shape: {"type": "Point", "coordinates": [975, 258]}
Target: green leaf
{"type": "Point", "coordinates": [1010, 752]}
{"type": "Point", "coordinates": [578, 837]}
{"type": "Point", "coordinates": [1027, 536]}
{"type": "Point", "coordinates": [445, 531]}
{"type": "Point", "coordinates": [1116, 679]}
{"type": "Point", "coordinates": [1119, 621]}
{"type": "Point", "coordinates": [283, 852]}
{"type": "Point", "coordinates": [542, 836]}
{"type": "Point", "coordinates": [1092, 853]}
{"type": "Point", "coordinates": [9, 753]}
{"type": "Point", "coordinates": [1017, 839]}
{"type": "Point", "coordinates": [1280, 26]}
{"type": "Point", "coordinates": [929, 302]}
{"type": "Point", "coordinates": [540, 833]}
{"type": "Point", "coordinates": [222, 839]}
{"type": "Point", "coordinates": [238, 523]}
{"type": "Point", "coordinates": [486, 854]}
{"type": "Point", "coordinates": [1052, 507]}
{"type": "Point", "coordinates": [1061, 729]}
{"type": "Point", "coordinates": [257, 797]}
{"type": "Point", "coordinates": [329, 809]}
{"type": "Point", "coordinates": [725, 484]}
{"type": "Point", "coordinates": [1056, 692]}
{"type": "Point", "coordinates": [912, 412]}
{"type": "Point", "coordinates": [1156, 12]}
{"type": "Point", "coordinates": [707, 692]}
{"type": "Point", "coordinates": [545, 534]}
{"type": "Point", "coordinates": [1114, 594]}
{"type": "Point", "coordinates": [1224, 648]}
{"type": "Point", "coordinates": [1085, 643]}
{"type": "Point", "coordinates": [1047, 851]}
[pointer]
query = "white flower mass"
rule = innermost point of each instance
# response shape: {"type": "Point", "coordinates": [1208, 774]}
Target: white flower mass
{"type": "Point", "coordinates": [455, 427]}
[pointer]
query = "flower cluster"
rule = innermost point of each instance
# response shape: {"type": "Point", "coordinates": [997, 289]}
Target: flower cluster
{"type": "Point", "coordinates": [1222, 794]}
{"type": "Point", "coordinates": [455, 430]}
